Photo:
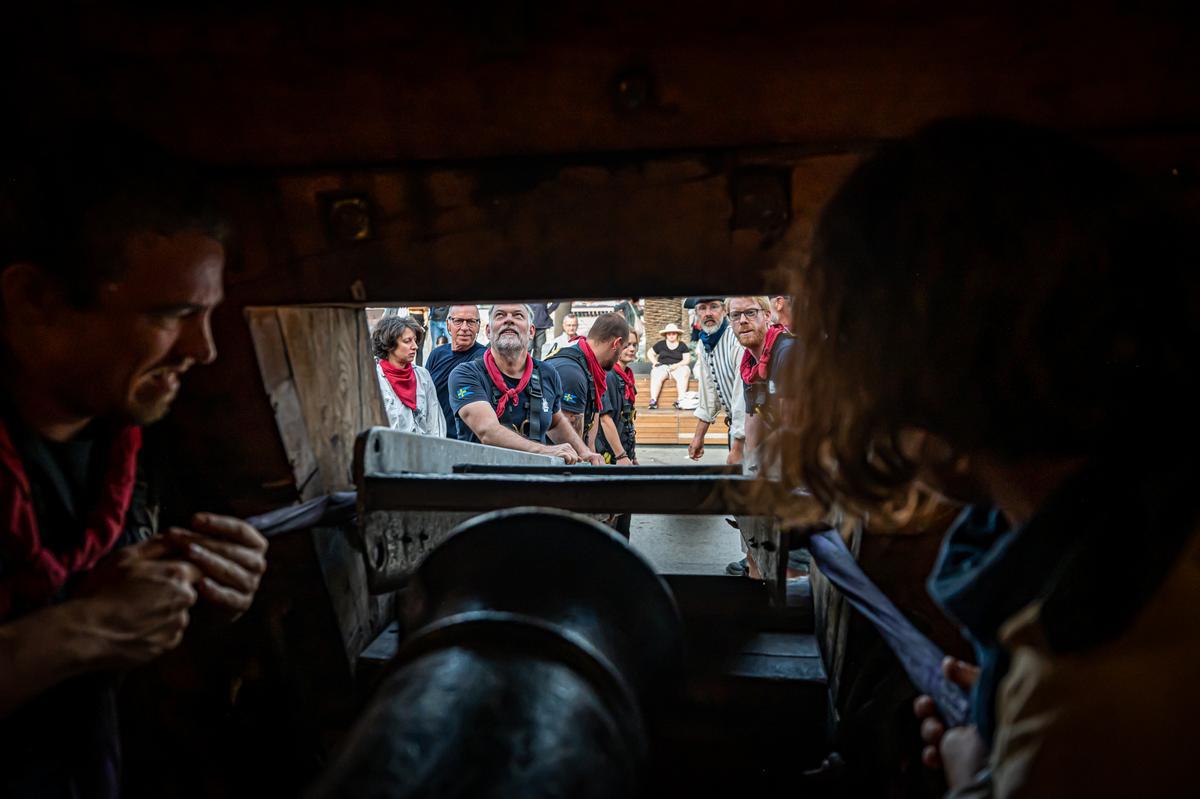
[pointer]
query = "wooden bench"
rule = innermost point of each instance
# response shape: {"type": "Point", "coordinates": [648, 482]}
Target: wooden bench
{"type": "Point", "coordinates": [667, 425]}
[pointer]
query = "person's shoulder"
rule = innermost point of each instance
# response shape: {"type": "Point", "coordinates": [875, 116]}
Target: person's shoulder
{"type": "Point", "coordinates": [438, 353]}
{"type": "Point", "coordinates": [467, 370]}
{"type": "Point", "coordinates": [548, 368]}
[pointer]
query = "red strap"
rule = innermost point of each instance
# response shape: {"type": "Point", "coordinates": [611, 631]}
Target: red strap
{"type": "Point", "coordinates": [599, 374]}
{"type": "Point", "coordinates": [403, 380]}
{"type": "Point", "coordinates": [507, 394]}
{"type": "Point", "coordinates": [755, 371]}
{"type": "Point", "coordinates": [35, 574]}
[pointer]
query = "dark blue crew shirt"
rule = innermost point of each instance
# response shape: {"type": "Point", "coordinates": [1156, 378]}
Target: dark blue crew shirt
{"type": "Point", "coordinates": [440, 364]}
{"type": "Point", "coordinates": [469, 382]}
{"type": "Point", "coordinates": [576, 382]}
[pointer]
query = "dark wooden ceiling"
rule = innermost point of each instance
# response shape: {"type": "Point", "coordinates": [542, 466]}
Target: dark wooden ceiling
{"type": "Point", "coordinates": [300, 85]}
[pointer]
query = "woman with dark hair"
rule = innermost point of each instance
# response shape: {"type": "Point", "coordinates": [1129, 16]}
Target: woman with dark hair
{"type": "Point", "coordinates": [995, 314]}
{"type": "Point", "coordinates": [409, 396]}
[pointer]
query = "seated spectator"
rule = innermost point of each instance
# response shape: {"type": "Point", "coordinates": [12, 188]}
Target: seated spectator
{"type": "Point", "coordinates": [1000, 315]}
{"type": "Point", "coordinates": [508, 399]}
{"type": "Point", "coordinates": [569, 335]}
{"type": "Point", "coordinates": [409, 397]}
{"type": "Point", "coordinates": [463, 323]}
{"type": "Point", "coordinates": [670, 358]}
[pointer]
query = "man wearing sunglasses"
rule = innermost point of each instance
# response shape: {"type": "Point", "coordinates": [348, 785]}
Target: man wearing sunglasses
{"type": "Point", "coordinates": [462, 322]}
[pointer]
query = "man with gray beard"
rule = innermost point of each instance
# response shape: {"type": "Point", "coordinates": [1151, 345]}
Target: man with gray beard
{"type": "Point", "coordinates": [508, 399]}
{"type": "Point", "coordinates": [719, 379]}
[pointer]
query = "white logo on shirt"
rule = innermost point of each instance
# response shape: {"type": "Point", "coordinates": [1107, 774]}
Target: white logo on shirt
{"type": "Point", "coordinates": [545, 406]}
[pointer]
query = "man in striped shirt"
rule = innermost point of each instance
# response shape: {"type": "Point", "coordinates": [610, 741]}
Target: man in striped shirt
{"type": "Point", "coordinates": [720, 380]}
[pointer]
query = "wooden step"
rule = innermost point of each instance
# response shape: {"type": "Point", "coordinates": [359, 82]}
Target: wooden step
{"type": "Point", "coordinates": [670, 426]}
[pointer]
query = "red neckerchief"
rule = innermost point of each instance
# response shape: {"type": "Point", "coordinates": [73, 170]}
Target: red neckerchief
{"type": "Point", "coordinates": [507, 394]}
{"type": "Point", "coordinates": [599, 373]}
{"type": "Point", "coordinates": [35, 574]}
{"type": "Point", "coordinates": [573, 339]}
{"type": "Point", "coordinates": [756, 371]}
{"type": "Point", "coordinates": [403, 380]}
{"type": "Point", "coordinates": [630, 385]}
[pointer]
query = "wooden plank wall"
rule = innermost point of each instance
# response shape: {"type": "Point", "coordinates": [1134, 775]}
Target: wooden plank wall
{"type": "Point", "coordinates": [318, 371]}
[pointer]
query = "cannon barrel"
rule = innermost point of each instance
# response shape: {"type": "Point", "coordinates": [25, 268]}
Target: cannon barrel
{"type": "Point", "coordinates": [537, 635]}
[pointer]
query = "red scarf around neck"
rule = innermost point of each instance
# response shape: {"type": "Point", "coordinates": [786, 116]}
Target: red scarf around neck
{"type": "Point", "coordinates": [403, 380]}
{"type": "Point", "coordinates": [630, 384]}
{"type": "Point", "coordinates": [507, 394]}
{"type": "Point", "coordinates": [33, 573]}
{"type": "Point", "coordinates": [755, 371]}
{"type": "Point", "coordinates": [599, 373]}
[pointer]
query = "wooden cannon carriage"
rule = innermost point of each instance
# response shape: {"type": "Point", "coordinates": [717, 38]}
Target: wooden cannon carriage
{"type": "Point", "coordinates": [372, 155]}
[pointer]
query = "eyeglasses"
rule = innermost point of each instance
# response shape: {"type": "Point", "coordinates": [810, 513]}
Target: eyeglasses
{"type": "Point", "coordinates": [750, 314]}
{"type": "Point", "coordinates": [457, 322]}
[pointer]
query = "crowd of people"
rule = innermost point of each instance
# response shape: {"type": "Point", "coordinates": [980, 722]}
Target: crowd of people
{"type": "Point", "coordinates": [992, 315]}
{"type": "Point", "coordinates": [584, 386]}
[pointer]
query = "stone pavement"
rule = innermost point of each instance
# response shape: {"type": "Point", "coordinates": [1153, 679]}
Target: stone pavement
{"type": "Point", "coordinates": [684, 544]}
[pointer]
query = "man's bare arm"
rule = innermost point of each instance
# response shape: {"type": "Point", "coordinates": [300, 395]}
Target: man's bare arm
{"type": "Point", "coordinates": [753, 432]}
{"type": "Point", "coordinates": [696, 448]}
{"type": "Point", "coordinates": [481, 418]}
{"type": "Point", "coordinates": [562, 432]}
{"type": "Point", "coordinates": [576, 421]}
{"type": "Point", "coordinates": [612, 437]}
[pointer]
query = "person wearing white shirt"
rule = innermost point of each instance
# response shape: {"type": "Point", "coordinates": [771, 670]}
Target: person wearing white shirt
{"type": "Point", "coordinates": [570, 333]}
{"type": "Point", "coordinates": [720, 357]}
{"type": "Point", "coordinates": [409, 396]}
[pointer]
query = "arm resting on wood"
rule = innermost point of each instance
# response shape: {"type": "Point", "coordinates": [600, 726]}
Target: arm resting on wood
{"type": "Point", "coordinates": [481, 418]}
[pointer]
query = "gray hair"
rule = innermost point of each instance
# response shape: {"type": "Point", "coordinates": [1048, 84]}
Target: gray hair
{"type": "Point", "coordinates": [528, 309]}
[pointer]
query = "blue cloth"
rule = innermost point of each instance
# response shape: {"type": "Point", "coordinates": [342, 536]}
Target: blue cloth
{"type": "Point", "coordinates": [441, 363]}
{"type": "Point", "coordinates": [469, 382]}
{"type": "Point", "coordinates": [541, 315]}
{"type": "Point", "coordinates": [1109, 521]}
{"type": "Point", "coordinates": [709, 340]}
{"type": "Point", "coordinates": [920, 657]}
{"type": "Point", "coordinates": [971, 581]}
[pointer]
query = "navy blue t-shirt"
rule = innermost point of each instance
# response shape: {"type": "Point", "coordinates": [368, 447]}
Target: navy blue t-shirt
{"type": "Point", "coordinates": [778, 372]}
{"type": "Point", "coordinates": [440, 364]}
{"type": "Point", "coordinates": [576, 382]}
{"type": "Point", "coordinates": [614, 405]}
{"type": "Point", "coordinates": [469, 382]}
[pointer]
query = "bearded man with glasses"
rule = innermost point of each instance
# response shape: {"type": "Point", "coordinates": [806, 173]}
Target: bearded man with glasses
{"type": "Point", "coordinates": [462, 322]}
{"type": "Point", "coordinates": [767, 347]}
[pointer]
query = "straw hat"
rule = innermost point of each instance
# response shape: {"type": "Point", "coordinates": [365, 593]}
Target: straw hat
{"type": "Point", "coordinates": [670, 328]}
